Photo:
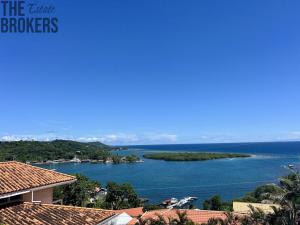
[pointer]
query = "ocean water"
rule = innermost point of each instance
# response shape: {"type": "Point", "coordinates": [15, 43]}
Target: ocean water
{"type": "Point", "coordinates": [158, 180]}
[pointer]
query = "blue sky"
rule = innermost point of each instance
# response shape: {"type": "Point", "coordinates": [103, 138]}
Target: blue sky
{"type": "Point", "coordinates": [144, 72]}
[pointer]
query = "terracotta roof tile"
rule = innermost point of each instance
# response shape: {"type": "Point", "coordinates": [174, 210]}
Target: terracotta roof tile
{"type": "Point", "coordinates": [133, 221]}
{"type": "Point", "coordinates": [134, 212]}
{"type": "Point", "coordinates": [36, 214]}
{"type": "Point", "coordinates": [16, 176]}
{"type": "Point", "coordinates": [197, 216]}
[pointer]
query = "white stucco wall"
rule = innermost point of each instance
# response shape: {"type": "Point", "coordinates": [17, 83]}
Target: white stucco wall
{"type": "Point", "coordinates": [121, 219]}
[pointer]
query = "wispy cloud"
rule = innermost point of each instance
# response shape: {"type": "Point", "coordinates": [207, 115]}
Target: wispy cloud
{"type": "Point", "coordinates": [124, 138]}
{"type": "Point", "coordinates": [118, 138]}
{"type": "Point", "coordinates": [214, 138]}
{"type": "Point", "coordinates": [42, 137]}
{"type": "Point", "coordinates": [290, 136]}
{"type": "Point", "coordinates": [111, 139]}
{"type": "Point", "coordinates": [162, 138]}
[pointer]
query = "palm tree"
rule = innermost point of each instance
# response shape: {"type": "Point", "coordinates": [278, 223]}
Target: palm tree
{"type": "Point", "coordinates": [231, 219]}
{"type": "Point", "coordinates": [289, 201]}
{"type": "Point", "coordinates": [289, 211]}
{"type": "Point", "coordinates": [181, 219]}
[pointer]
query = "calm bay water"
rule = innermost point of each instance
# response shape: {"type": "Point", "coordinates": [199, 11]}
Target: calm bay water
{"type": "Point", "coordinates": [230, 178]}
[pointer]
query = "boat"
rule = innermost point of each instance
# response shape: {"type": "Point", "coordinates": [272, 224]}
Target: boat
{"type": "Point", "coordinates": [173, 200]}
{"type": "Point", "coordinates": [75, 160]}
{"type": "Point", "coordinates": [190, 198]}
{"type": "Point", "coordinates": [85, 160]}
{"type": "Point", "coordinates": [291, 166]}
{"type": "Point", "coordinates": [182, 202]}
{"type": "Point", "coordinates": [170, 201]}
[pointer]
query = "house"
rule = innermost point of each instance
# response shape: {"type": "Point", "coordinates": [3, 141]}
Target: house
{"type": "Point", "coordinates": [26, 194]}
{"type": "Point", "coordinates": [38, 213]}
{"type": "Point", "coordinates": [21, 182]}
{"type": "Point", "coordinates": [244, 207]}
{"type": "Point", "coordinates": [135, 214]}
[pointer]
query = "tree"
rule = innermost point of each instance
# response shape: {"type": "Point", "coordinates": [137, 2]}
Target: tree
{"type": "Point", "coordinates": [215, 203]}
{"type": "Point", "coordinates": [286, 194]}
{"type": "Point", "coordinates": [180, 219]}
{"type": "Point", "coordinates": [289, 200]}
{"type": "Point", "coordinates": [121, 196]}
{"type": "Point", "coordinates": [262, 193]}
{"type": "Point", "coordinates": [77, 193]}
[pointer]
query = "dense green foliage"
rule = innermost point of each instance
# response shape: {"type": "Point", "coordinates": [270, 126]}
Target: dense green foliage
{"type": "Point", "coordinates": [77, 193]}
{"type": "Point", "coordinates": [131, 158]}
{"type": "Point", "coordinates": [128, 159]}
{"type": "Point", "coordinates": [120, 196]}
{"type": "Point", "coordinates": [192, 156]}
{"type": "Point", "coordinates": [215, 203]}
{"type": "Point", "coordinates": [53, 150]}
{"type": "Point", "coordinates": [262, 193]}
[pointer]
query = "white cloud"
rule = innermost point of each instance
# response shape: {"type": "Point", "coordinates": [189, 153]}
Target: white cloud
{"type": "Point", "coordinates": [28, 137]}
{"type": "Point", "coordinates": [292, 136]}
{"type": "Point", "coordinates": [10, 138]}
{"type": "Point", "coordinates": [123, 138]}
{"type": "Point", "coordinates": [110, 139]}
{"type": "Point", "coordinates": [162, 138]}
{"type": "Point", "coordinates": [119, 138]}
{"type": "Point", "coordinates": [216, 138]}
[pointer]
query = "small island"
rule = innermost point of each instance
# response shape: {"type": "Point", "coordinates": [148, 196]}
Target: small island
{"type": "Point", "coordinates": [192, 156]}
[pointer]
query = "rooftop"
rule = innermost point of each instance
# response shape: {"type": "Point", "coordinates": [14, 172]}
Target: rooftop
{"type": "Point", "coordinates": [244, 207]}
{"type": "Point", "coordinates": [16, 177]}
{"type": "Point", "coordinates": [134, 212]}
{"type": "Point", "coordinates": [38, 214]}
{"type": "Point", "coordinates": [197, 216]}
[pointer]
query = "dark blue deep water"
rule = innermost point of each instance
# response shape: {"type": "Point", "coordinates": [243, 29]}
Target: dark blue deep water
{"type": "Point", "coordinates": [230, 178]}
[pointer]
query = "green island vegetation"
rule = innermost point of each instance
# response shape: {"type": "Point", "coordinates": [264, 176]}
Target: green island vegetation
{"type": "Point", "coordinates": [120, 196]}
{"type": "Point", "coordinates": [192, 156]}
{"type": "Point", "coordinates": [42, 151]}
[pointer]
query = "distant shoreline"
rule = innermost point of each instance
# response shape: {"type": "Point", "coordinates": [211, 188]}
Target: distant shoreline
{"type": "Point", "coordinates": [193, 156]}
{"type": "Point", "coordinates": [62, 161]}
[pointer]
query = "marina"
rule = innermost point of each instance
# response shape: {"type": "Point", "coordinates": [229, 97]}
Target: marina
{"type": "Point", "coordinates": [175, 203]}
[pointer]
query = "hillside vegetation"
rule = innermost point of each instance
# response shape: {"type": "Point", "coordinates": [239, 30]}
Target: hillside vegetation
{"type": "Point", "coordinates": [192, 156]}
{"type": "Point", "coordinates": [52, 150]}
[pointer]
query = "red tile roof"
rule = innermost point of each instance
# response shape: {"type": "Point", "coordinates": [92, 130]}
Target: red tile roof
{"type": "Point", "coordinates": [134, 221]}
{"type": "Point", "coordinates": [16, 176]}
{"type": "Point", "coordinates": [197, 216]}
{"type": "Point", "coordinates": [40, 214]}
{"type": "Point", "coordinates": [133, 212]}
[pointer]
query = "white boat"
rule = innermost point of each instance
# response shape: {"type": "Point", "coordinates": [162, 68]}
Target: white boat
{"type": "Point", "coordinates": [170, 201]}
{"type": "Point", "coordinates": [75, 160]}
{"type": "Point", "coordinates": [173, 200]}
{"type": "Point", "coordinates": [182, 202]}
{"type": "Point", "coordinates": [291, 166]}
{"type": "Point", "coordinates": [190, 198]}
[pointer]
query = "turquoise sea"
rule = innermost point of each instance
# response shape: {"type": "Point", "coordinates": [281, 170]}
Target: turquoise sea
{"type": "Point", "coordinates": [231, 178]}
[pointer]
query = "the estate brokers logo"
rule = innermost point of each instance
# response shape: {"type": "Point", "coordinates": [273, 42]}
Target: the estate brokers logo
{"type": "Point", "coordinates": [18, 16]}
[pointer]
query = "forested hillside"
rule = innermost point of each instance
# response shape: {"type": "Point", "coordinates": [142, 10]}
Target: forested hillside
{"type": "Point", "coordinates": [52, 150]}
